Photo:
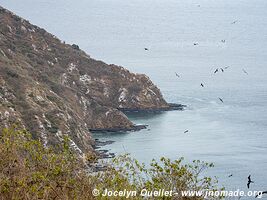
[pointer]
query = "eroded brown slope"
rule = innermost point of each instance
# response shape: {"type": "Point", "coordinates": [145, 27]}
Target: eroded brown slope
{"type": "Point", "coordinates": [53, 88]}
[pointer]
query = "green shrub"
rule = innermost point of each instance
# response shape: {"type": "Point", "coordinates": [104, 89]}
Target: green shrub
{"type": "Point", "coordinates": [127, 173]}
{"type": "Point", "coordinates": [28, 170]}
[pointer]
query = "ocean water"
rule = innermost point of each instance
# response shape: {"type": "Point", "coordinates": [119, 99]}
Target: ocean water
{"type": "Point", "coordinates": [232, 134]}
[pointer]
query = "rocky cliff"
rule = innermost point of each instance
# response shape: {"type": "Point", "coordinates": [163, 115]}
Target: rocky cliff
{"type": "Point", "coordinates": [53, 88]}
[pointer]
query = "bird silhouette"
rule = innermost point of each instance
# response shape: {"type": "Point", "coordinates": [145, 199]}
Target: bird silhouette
{"type": "Point", "coordinates": [249, 181]}
{"type": "Point", "coordinates": [201, 85]}
{"type": "Point", "coordinates": [260, 194]}
{"type": "Point", "coordinates": [177, 75]}
{"type": "Point", "coordinates": [223, 41]}
{"type": "Point", "coordinates": [216, 71]}
{"type": "Point", "coordinates": [186, 131]}
{"type": "Point", "coordinates": [146, 49]}
{"type": "Point", "coordinates": [245, 71]}
{"type": "Point", "coordinates": [230, 175]}
{"type": "Point", "coordinates": [222, 69]}
{"type": "Point", "coordinates": [195, 44]}
{"type": "Point", "coordinates": [221, 100]}
{"type": "Point", "coordinates": [234, 22]}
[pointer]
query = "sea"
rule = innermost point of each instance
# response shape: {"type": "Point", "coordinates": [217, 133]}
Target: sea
{"type": "Point", "coordinates": [191, 39]}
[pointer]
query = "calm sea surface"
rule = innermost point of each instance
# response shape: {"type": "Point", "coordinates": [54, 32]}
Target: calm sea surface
{"type": "Point", "coordinates": [232, 134]}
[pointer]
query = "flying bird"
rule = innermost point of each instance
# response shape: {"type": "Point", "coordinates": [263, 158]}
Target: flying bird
{"type": "Point", "coordinates": [146, 49]}
{"type": "Point", "coordinates": [234, 22]}
{"type": "Point", "coordinates": [261, 193]}
{"type": "Point", "coordinates": [195, 44]}
{"type": "Point", "coordinates": [226, 67]}
{"type": "Point", "coordinates": [249, 181]}
{"type": "Point", "coordinates": [245, 71]}
{"type": "Point", "coordinates": [223, 41]}
{"type": "Point", "coordinates": [201, 85]}
{"type": "Point", "coordinates": [177, 75]}
{"type": "Point", "coordinates": [221, 100]}
{"type": "Point", "coordinates": [216, 71]}
{"type": "Point", "coordinates": [186, 131]}
{"type": "Point", "coordinates": [222, 69]}
{"type": "Point", "coordinates": [230, 175]}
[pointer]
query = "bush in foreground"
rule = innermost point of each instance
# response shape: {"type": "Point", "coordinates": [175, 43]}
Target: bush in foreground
{"type": "Point", "coordinates": [124, 172]}
{"type": "Point", "coordinates": [28, 170]}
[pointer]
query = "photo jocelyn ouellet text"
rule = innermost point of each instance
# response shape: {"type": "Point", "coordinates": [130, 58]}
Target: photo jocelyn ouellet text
{"type": "Point", "coordinates": [169, 193]}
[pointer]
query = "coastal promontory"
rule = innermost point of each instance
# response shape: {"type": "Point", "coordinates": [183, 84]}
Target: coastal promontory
{"type": "Point", "coordinates": [52, 88]}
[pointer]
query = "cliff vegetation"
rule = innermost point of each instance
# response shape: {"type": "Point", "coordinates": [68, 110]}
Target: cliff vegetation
{"type": "Point", "coordinates": [28, 170]}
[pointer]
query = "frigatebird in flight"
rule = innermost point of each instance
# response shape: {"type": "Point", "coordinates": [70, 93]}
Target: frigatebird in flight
{"type": "Point", "coordinates": [249, 181]}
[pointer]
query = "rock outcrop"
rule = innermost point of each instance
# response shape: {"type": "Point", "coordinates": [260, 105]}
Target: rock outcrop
{"type": "Point", "coordinates": [53, 88]}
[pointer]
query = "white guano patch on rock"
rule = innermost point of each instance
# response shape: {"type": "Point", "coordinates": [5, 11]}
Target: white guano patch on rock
{"type": "Point", "coordinates": [50, 63]}
{"type": "Point", "coordinates": [148, 93]}
{"type": "Point", "coordinates": [123, 94]}
{"type": "Point", "coordinates": [11, 52]}
{"type": "Point", "coordinates": [23, 28]}
{"type": "Point", "coordinates": [64, 79]}
{"type": "Point", "coordinates": [102, 81]}
{"type": "Point", "coordinates": [2, 52]}
{"type": "Point", "coordinates": [34, 47]}
{"type": "Point", "coordinates": [85, 79]}
{"type": "Point", "coordinates": [84, 103]}
{"type": "Point", "coordinates": [12, 109]}
{"type": "Point", "coordinates": [42, 128]}
{"type": "Point", "coordinates": [31, 30]}
{"type": "Point", "coordinates": [151, 91]}
{"type": "Point", "coordinates": [106, 92]}
{"type": "Point", "coordinates": [48, 123]}
{"type": "Point", "coordinates": [72, 143]}
{"type": "Point", "coordinates": [10, 29]}
{"type": "Point", "coordinates": [62, 116]}
{"type": "Point", "coordinates": [6, 114]}
{"type": "Point", "coordinates": [39, 98]}
{"type": "Point", "coordinates": [72, 67]}
{"type": "Point", "coordinates": [107, 113]}
{"type": "Point", "coordinates": [75, 147]}
{"type": "Point", "coordinates": [59, 135]}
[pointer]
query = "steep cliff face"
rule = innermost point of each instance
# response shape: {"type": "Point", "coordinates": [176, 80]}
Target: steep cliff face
{"type": "Point", "coordinates": [53, 88]}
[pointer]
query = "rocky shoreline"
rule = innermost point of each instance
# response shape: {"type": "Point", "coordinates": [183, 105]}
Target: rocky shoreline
{"type": "Point", "coordinates": [170, 107]}
{"type": "Point", "coordinates": [98, 144]}
{"type": "Point", "coordinates": [105, 130]}
{"type": "Point", "coordinates": [104, 153]}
